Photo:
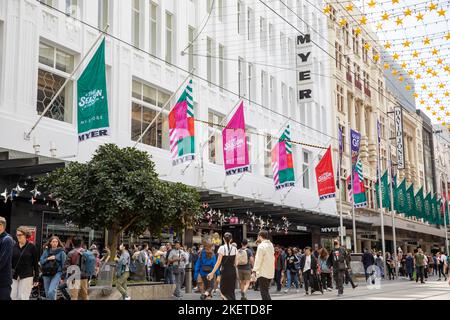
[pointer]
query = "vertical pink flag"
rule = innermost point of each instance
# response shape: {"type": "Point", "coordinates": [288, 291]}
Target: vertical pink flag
{"type": "Point", "coordinates": [235, 149]}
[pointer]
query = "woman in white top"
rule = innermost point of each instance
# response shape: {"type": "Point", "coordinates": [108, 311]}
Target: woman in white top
{"type": "Point", "coordinates": [227, 260]}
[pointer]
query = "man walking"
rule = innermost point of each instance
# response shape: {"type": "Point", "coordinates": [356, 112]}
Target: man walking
{"type": "Point", "coordinates": [174, 262]}
{"type": "Point", "coordinates": [264, 269]}
{"type": "Point", "coordinates": [337, 259]}
{"type": "Point", "coordinates": [245, 263]}
{"type": "Point", "coordinates": [6, 249]}
{"type": "Point", "coordinates": [79, 289]}
{"type": "Point", "coordinates": [419, 261]}
{"type": "Point", "coordinates": [368, 261]}
{"type": "Point", "coordinates": [279, 263]}
{"type": "Point", "coordinates": [168, 275]}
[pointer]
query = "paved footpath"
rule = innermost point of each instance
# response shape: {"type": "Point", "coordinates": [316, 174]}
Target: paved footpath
{"type": "Point", "coordinates": [401, 289]}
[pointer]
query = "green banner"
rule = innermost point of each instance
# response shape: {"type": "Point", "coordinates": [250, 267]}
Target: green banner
{"type": "Point", "coordinates": [410, 202]}
{"type": "Point", "coordinates": [401, 197]}
{"type": "Point", "coordinates": [438, 212]}
{"type": "Point", "coordinates": [427, 207]}
{"type": "Point", "coordinates": [92, 101]}
{"type": "Point", "coordinates": [420, 205]}
{"type": "Point", "coordinates": [385, 193]}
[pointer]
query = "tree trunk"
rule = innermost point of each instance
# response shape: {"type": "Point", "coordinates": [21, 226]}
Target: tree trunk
{"type": "Point", "coordinates": [114, 243]}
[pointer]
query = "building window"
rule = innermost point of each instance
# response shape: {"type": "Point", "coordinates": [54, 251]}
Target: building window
{"type": "Point", "coordinates": [365, 52]}
{"type": "Point", "coordinates": [344, 141]}
{"type": "Point", "coordinates": [291, 53]}
{"type": "Point", "coordinates": [340, 98]}
{"type": "Point", "coordinates": [72, 8]}
{"type": "Point", "coordinates": [292, 101]}
{"type": "Point", "coordinates": [272, 38]}
{"type": "Point", "coordinates": [250, 24]}
{"type": "Point", "coordinates": [154, 29]}
{"type": "Point", "coordinates": [262, 32]}
{"type": "Point", "coordinates": [251, 81]}
{"type": "Point", "coordinates": [264, 91]}
{"type": "Point", "coordinates": [103, 14]}
{"type": "Point", "coordinates": [222, 67]}
{"type": "Point", "coordinates": [305, 169]}
{"type": "Point", "coordinates": [215, 141]}
{"type": "Point", "coordinates": [48, 2]}
{"type": "Point", "coordinates": [268, 171]}
{"type": "Point", "coordinates": [241, 78]}
{"type": "Point", "coordinates": [210, 60]}
{"type": "Point", "coordinates": [339, 56]}
{"type": "Point", "coordinates": [192, 62]}
{"type": "Point", "coordinates": [355, 43]}
{"type": "Point", "coordinates": [240, 17]}
{"type": "Point", "coordinates": [282, 44]}
{"type": "Point", "coordinates": [147, 101]}
{"type": "Point", "coordinates": [55, 66]}
{"type": "Point", "coordinates": [220, 10]}
{"type": "Point", "coordinates": [169, 37]}
{"type": "Point", "coordinates": [136, 23]}
{"type": "Point", "coordinates": [273, 93]}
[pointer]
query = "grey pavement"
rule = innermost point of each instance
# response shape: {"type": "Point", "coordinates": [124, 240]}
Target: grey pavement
{"type": "Point", "coordinates": [401, 289]}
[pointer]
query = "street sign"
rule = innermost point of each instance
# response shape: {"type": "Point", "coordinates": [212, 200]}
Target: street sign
{"type": "Point", "coordinates": [398, 118]}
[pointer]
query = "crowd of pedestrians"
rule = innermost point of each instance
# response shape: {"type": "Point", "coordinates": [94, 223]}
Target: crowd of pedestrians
{"type": "Point", "coordinates": [67, 270]}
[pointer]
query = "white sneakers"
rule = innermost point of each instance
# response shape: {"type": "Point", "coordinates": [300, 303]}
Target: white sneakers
{"type": "Point", "coordinates": [127, 298]}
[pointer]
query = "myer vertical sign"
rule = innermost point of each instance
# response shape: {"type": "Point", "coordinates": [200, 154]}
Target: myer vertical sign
{"type": "Point", "coordinates": [304, 67]}
{"type": "Point", "coordinates": [398, 116]}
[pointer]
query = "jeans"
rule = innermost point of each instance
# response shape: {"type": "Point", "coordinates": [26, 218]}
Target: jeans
{"type": "Point", "coordinates": [51, 285]}
{"type": "Point", "coordinates": [419, 273]}
{"type": "Point", "coordinates": [5, 293]}
{"type": "Point", "coordinates": [264, 285]}
{"type": "Point", "coordinates": [291, 277]}
{"type": "Point", "coordinates": [278, 279]}
{"type": "Point", "coordinates": [179, 279]}
{"type": "Point", "coordinates": [168, 276]}
{"type": "Point", "coordinates": [326, 280]}
{"type": "Point", "coordinates": [121, 284]}
{"type": "Point", "coordinates": [339, 279]}
{"type": "Point", "coordinates": [441, 271]}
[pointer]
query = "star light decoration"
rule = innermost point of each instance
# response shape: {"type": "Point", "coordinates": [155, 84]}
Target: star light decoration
{"type": "Point", "coordinates": [420, 67]}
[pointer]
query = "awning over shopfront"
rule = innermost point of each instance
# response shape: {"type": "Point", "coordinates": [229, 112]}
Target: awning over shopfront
{"type": "Point", "coordinates": [240, 205]}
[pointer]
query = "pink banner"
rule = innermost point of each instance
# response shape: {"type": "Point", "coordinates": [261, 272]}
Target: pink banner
{"type": "Point", "coordinates": [235, 150]}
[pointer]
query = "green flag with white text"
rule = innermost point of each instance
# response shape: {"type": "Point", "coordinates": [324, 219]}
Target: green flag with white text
{"type": "Point", "coordinates": [410, 202]}
{"type": "Point", "coordinates": [400, 197]}
{"type": "Point", "coordinates": [92, 99]}
{"type": "Point", "coordinates": [385, 192]}
{"type": "Point", "coordinates": [427, 207]}
{"type": "Point", "coordinates": [419, 204]}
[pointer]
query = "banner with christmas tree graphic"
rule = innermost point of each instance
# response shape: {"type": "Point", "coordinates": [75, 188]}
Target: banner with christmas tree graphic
{"type": "Point", "coordinates": [385, 191]}
{"type": "Point", "coordinates": [400, 198]}
{"type": "Point", "coordinates": [410, 202]}
{"type": "Point", "coordinates": [420, 204]}
{"type": "Point", "coordinates": [181, 128]}
{"type": "Point", "coordinates": [427, 207]}
{"type": "Point", "coordinates": [282, 162]}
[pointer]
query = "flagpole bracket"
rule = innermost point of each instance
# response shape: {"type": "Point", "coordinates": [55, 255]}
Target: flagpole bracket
{"type": "Point", "coordinates": [26, 136]}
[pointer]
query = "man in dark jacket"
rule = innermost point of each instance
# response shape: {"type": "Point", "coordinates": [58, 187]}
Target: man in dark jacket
{"type": "Point", "coordinates": [308, 266]}
{"type": "Point", "coordinates": [367, 260]}
{"type": "Point", "coordinates": [337, 259]}
{"type": "Point", "coordinates": [6, 249]}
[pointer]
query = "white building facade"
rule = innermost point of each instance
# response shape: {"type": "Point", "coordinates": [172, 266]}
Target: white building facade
{"type": "Point", "coordinates": [242, 50]}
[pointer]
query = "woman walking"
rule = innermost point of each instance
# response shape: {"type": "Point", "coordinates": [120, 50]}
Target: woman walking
{"type": "Point", "coordinates": [123, 271]}
{"type": "Point", "coordinates": [203, 266]}
{"type": "Point", "coordinates": [228, 262]}
{"type": "Point", "coordinates": [390, 264]}
{"type": "Point", "coordinates": [292, 263]}
{"type": "Point", "coordinates": [52, 263]}
{"type": "Point", "coordinates": [325, 274]}
{"type": "Point", "coordinates": [25, 266]}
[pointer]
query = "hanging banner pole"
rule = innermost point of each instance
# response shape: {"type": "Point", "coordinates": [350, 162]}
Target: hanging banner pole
{"type": "Point", "coordinates": [163, 108]}
{"type": "Point", "coordinates": [355, 144]}
{"type": "Point", "coordinates": [445, 214]}
{"type": "Point", "coordinates": [380, 195]}
{"type": "Point", "coordinates": [392, 207]}
{"type": "Point", "coordinates": [27, 135]}
{"type": "Point", "coordinates": [341, 218]}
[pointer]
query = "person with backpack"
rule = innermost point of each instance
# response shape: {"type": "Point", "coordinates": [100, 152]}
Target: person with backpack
{"type": "Point", "coordinates": [123, 271]}
{"type": "Point", "coordinates": [337, 259]}
{"type": "Point", "coordinates": [6, 251]}
{"type": "Point", "coordinates": [227, 262]}
{"type": "Point", "coordinates": [52, 265]}
{"type": "Point", "coordinates": [203, 266]}
{"type": "Point", "coordinates": [291, 268]}
{"type": "Point", "coordinates": [245, 265]}
{"type": "Point", "coordinates": [25, 266]}
{"type": "Point", "coordinates": [82, 261]}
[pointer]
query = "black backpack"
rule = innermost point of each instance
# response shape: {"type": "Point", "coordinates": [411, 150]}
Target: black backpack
{"type": "Point", "coordinates": [50, 267]}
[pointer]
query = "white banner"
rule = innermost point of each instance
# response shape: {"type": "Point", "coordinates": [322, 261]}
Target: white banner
{"type": "Point", "coordinates": [398, 118]}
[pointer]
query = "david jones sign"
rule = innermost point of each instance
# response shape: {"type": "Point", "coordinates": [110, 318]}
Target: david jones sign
{"type": "Point", "coordinates": [304, 67]}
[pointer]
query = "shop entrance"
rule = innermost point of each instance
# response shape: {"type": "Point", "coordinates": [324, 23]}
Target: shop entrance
{"type": "Point", "coordinates": [293, 240]}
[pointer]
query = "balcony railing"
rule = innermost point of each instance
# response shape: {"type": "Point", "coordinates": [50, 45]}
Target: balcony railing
{"type": "Point", "coordinates": [358, 84]}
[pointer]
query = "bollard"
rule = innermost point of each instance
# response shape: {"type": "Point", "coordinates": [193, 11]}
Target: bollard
{"type": "Point", "coordinates": [188, 278]}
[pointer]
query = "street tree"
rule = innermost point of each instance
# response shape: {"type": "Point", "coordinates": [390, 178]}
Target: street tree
{"type": "Point", "coordinates": [119, 190]}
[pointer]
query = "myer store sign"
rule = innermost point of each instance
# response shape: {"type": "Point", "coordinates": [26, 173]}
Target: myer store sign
{"type": "Point", "coordinates": [332, 230]}
{"type": "Point", "coordinates": [304, 67]}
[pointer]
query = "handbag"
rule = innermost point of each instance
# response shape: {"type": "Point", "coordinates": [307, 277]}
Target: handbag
{"type": "Point", "coordinates": [205, 268]}
{"type": "Point", "coordinates": [50, 268]}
